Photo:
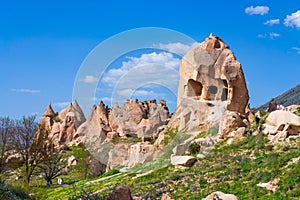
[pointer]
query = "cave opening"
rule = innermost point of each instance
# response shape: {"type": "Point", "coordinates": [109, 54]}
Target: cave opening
{"type": "Point", "coordinates": [194, 88]}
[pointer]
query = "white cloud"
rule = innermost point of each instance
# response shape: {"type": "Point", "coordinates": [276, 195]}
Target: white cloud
{"type": "Point", "coordinates": [89, 79]}
{"type": "Point", "coordinates": [297, 49]}
{"type": "Point", "coordinates": [274, 35]}
{"type": "Point", "coordinates": [143, 77]}
{"type": "Point", "coordinates": [272, 22]}
{"type": "Point", "coordinates": [270, 35]}
{"type": "Point", "coordinates": [26, 91]}
{"type": "Point", "coordinates": [257, 10]}
{"type": "Point", "coordinates": [293, 19]}
{"type": "Point", "coordinates": [149, 62]}
{"type": "Point", "coordinates": [61, 104]}
{"type": "Point", "coordinates": [178, 48]}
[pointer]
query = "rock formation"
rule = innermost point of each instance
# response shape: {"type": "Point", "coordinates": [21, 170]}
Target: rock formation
{"type": "Point", "coordinates": [64, 125]}
{"type": "Point", "coordinates": [138, 119]}
{"type": "Point", "coordinates": [134, 120]}
{"type": "Point", "coordinates": [211, 83]}
{"type": "Point", "coordinates": [281, 125]}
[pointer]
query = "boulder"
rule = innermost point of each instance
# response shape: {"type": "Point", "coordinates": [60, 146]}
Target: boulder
{"type": "Point", "coordinates": [183, 161]}
{"type": "Point", "coordinates": [232, 121]}
{"type": "Point", "coordinates": [121, 193]}
{"type": "Point", "coordinates": [221, 196]}
{"type": "Point", "coordinates": [239, 133]}
{"type": "Point", "coordinates": [282, 121]}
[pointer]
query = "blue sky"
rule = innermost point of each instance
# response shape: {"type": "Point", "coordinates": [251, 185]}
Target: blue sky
{"type": "Point", "coordinates": [43, 45]}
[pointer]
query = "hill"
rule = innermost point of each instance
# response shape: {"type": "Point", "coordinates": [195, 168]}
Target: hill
{"type": "Point", "coordinates": [290, 97]}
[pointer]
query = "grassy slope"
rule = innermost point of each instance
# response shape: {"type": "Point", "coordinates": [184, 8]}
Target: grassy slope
{"type": "Point", "coordinates": [235, 168]}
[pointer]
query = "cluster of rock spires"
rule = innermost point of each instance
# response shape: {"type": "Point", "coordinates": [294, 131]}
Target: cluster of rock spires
{"type": "Point", "coordinates": [212, 95]}
{"type": "Point", "coordinates": [134, 119]}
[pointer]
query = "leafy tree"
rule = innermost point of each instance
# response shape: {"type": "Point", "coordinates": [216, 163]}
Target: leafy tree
{"type": "Point", "coordinates": [52, 162]}
{"type": "Point", "coordinates": [6, 126]}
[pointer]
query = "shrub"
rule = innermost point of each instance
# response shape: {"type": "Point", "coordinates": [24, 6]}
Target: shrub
{"type": "Point", "coordinates": [194, 148]}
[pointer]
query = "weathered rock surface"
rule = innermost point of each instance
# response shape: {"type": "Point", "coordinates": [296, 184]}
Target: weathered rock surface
{"type": "Point", "coordinates": [138, 119]}
{"type": "Point", "coordinates": [93, 131]}
{"type": "Point", "coordinates": [221, 196]}
{"type": "Point", "coordinates": [210, 72]}
{"type": "Point", "coordinates": [211, 83]}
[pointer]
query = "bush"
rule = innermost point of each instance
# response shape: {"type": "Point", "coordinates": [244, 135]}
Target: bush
{"type": "Point", "coordinates": [194, 148]}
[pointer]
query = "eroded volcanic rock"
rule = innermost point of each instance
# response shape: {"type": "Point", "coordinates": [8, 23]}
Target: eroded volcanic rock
{"type": "Point", "coordinates": [64, 125]}
{"type": "Point", "coordinates": [211, 83]}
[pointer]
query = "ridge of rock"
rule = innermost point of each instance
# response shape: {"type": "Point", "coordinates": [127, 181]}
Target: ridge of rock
{"type": "Point", "coordinates": [287, 98]}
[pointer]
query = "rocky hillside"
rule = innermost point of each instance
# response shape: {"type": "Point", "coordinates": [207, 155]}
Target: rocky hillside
{"type": "Point", "coordinates": [290, 97]}
{"type": "Point", "coordinates": [248, 168]}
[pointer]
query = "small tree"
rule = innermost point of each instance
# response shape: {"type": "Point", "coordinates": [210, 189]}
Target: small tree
{"type": "Point", "coordinates": [52, 163]}
{"type": "Point", "coordinates": [6, 126]}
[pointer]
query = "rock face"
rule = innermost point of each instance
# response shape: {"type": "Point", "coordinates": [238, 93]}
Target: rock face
{"type": "Point", "coordinates": [211, 83]}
